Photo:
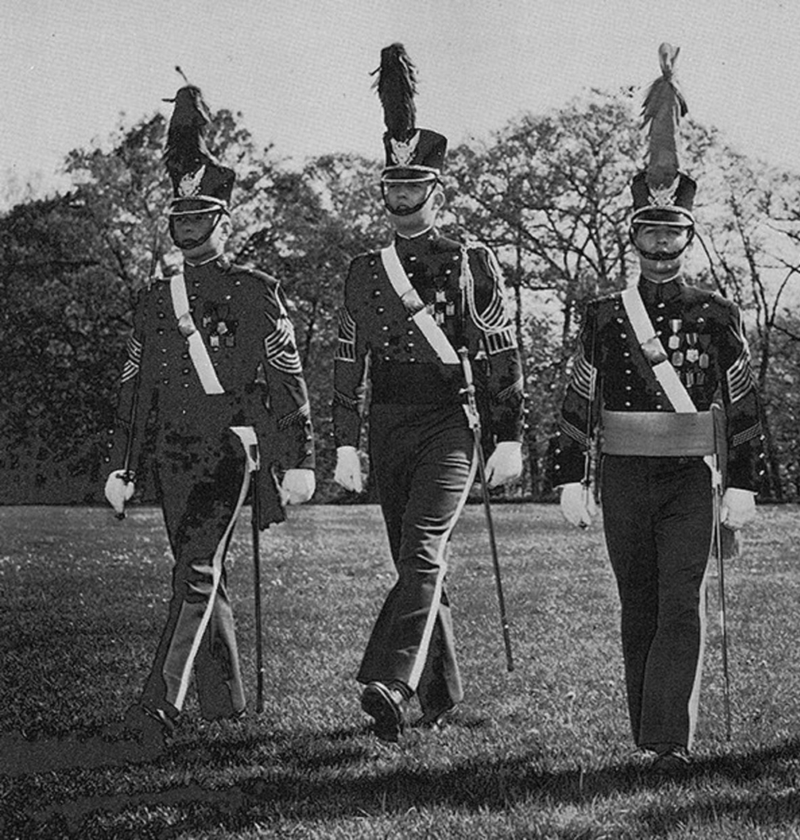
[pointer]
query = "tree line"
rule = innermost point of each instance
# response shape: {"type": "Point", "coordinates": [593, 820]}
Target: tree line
{"type": "Point", "coordinates": [548, 193]}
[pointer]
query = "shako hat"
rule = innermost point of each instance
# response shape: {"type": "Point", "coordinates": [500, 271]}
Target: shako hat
{"type": "Point", "coordinates": [662, 194]}
{"type": "Point", "coordinates": [412, 154]}
{"type": "Point", "coordinates": [200, 183]}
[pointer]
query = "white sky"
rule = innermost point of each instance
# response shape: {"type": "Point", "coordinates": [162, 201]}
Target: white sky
{"type": "Point", "coordinates": [299, 71]}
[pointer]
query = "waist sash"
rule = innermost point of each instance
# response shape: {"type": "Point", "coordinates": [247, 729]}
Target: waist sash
{"type": "Point", "coordinates": [658, 433]}
{"type": "Point", "coordinates": [413, 383]}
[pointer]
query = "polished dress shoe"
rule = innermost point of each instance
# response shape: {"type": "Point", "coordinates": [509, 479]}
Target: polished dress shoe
{"type": "Point", "coordinates": [385, 706]}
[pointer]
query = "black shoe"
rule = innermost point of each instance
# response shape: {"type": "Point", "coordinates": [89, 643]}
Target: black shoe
{"type": "Point", "coordinates": [385, 706]}
{"type": "Point", "coordinates": [673, 761]}
{"type": "Point", "coordinates": [149, 727]}
{"type": "Point", "coordinates": [432, 718]}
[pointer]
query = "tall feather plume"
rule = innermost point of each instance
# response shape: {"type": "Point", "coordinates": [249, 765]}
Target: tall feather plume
{"type": "Point", "coordinates": [187, 148]}
{"type": "Point", "coordinates": [397, 85]}
{"type": "Point", "coordinates": [663, 108]}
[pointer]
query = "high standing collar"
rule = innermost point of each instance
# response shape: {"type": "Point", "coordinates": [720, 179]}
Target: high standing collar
{"type": "Point", "coordinates": [653, 292]}
{"type": "Point", "coordinates": [416, 244]}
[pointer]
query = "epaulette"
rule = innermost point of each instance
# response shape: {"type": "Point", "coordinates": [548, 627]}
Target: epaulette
{"type": "Point", "coordinates": [602, 309]}
{"type": "Point", "coordinates": [467, 240]}
{"type": "Point", "coordinates": [609, 297]}
{"type": "Point", "coordinates": [250, 271]}
{"type": "Point", "coordinates": [710, 297]}
{"type": "Point", "coordinates": [445, 243]}
{"type": "Point", "coordinates": [161, 276]}
{"type": "Point", "coordinates": [721, 300]}
{"type": "Point", "coordinates": [364, 257]}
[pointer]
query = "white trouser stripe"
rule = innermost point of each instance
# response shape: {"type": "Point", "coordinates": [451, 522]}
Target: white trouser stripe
{"type": "Point", "coordinates": [425, 642]}
{"type": "Point", "coordinates": [694, 697]}
{"type": "Point", "coordinates": [216, 565]}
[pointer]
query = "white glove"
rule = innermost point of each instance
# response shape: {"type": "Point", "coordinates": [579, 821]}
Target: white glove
{"type": "Point", "coordinates": [504, 464]}
{"type": "Point", "coordinates": [119, 489]}
{"type": "Point", "coordinates": [577, 504]}
{"type": "Point", "coordinates": [297, 486]}
{"type": "Point", "coordinates": [348, 469]}
{"type": "Point", "coordinates": [738, 507]}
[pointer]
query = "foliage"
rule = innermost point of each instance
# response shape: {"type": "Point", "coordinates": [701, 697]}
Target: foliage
{"type": "Point", "coordinates": [61, 312]}
{"type": "Point", "coordinates": [548, 192]}
{"type": "Point", "coordinates": [549, 195]}
{"type": "Point", "coordinates": [322, 218]}
{"type": "Point", "coordinates": [542, 752]}
{"type": "Point", "coordinates": [304, 228]}
{"type": "Point", "coordinates": [748, 235]}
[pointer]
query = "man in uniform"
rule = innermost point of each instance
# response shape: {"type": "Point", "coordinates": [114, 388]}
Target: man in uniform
{"type": "Point", "coordinates": [407, 309]}
{"type": "Point", "coordinates": [213, 387]}
{"type": "Point", "coordinates": [651, 365]}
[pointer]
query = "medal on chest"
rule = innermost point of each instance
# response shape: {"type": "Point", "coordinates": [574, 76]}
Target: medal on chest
{"type": "Point", "coordinates": [432, 283]}
{"type": "Point", "coordinates": [218, 325]}
{"type": "Point", "coordinates": [688, 352]}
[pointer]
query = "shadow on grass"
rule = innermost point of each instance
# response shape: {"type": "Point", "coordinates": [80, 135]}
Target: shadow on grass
{"type": "Point", "coordinates": [344, 774]}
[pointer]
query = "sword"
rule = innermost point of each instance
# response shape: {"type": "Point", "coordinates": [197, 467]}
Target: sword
{"type": "Point", "coordinates": [255, 472]}
{"type": "Point", "coordinates": [474, 421]}
{"type": "Point", "coordinates": [588, 455]}
{"type": "Point", "coordinates": [716, 490]}
{"type": "Point", "coordinates": [126, 464]}
{"type": "Point", "coordinates": [247, 435]}
{"type": "Point", "coordinates": [133, 423]}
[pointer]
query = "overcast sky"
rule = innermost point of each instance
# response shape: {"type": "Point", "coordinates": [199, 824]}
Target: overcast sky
{"type": "Point", "coordinates": [299, 71]}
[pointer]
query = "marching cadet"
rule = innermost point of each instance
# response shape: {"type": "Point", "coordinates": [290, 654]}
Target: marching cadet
{"type": "Point", "coordinates": [212, 363]}
{"type": "Point", "coordinates": [407, 309]}
{"type": "Point", "coordinates": [656, 366]}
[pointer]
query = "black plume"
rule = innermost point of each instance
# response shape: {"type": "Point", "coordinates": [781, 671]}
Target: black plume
{"type": "Point", "coordinates": [187, 148]}
{"type": "Point", "coordinates": [397, 85]}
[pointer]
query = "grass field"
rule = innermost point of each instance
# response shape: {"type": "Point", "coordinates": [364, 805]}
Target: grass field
{"type": "Point", "coordinates": [543, 752]}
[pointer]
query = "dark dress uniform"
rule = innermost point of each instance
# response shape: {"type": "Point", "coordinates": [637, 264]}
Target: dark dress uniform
{"type": "Point", "coordinates": [421, 448]}
{"type": "Point", "coordinates": [183, 435]}
{"type": "Point", "coordinates": [657, 509]}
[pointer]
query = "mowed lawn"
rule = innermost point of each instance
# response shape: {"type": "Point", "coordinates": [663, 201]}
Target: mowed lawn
{"type": "Point", "coordinates": [542, 752]}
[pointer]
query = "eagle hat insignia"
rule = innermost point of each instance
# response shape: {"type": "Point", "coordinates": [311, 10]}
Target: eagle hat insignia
{"type": "Point", "coordinates": [404, 151]}
{"type": "Point", "coordinates": [190, 183]}
{"type": "Point", "coordinates": [665, 196]}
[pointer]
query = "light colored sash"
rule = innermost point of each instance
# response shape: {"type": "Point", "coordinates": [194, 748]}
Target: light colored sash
{"type": "Point", "coordinates": [197, 349]}
{"type": "Point", "coordinates": [664, 372]}
{"type": "Point", "coordinates": [433, 333]}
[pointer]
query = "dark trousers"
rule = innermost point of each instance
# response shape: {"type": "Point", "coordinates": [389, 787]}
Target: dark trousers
{"type": "Point", "coordinates": [422, 460]}
{"type": "Point", "coordinates": [657, 515]}
{"type": "Point", "coordinates": [200, 480]}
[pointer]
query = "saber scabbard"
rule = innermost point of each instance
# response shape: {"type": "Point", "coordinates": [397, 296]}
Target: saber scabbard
{"type": "Point", "coordinates": [473, 418]}
{"type": "Point", "coordinates": [716, 490]}
{"type": "Point", "coordinates": [134, 422]}
{"type": "Point", "coordinates": [255, 474]}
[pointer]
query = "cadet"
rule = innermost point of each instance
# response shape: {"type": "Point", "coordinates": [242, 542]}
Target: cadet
{"type": "Point", "coordinates": [651, 363]}
{"type": "Point", "coordinates": [407, 308]}
{"type": "Point", "coordinates": [212, 361]}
